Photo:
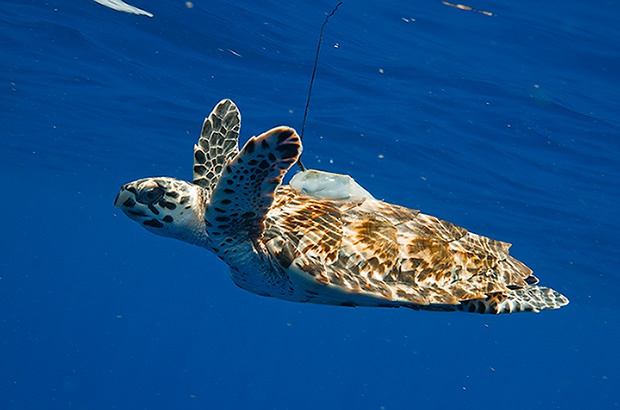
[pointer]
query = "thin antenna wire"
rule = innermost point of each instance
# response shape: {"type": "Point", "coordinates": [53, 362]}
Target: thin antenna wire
{"type": "Point", "coordinates": [316, 61]}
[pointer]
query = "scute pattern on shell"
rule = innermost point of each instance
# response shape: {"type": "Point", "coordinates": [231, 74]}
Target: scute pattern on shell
{"type": "Point", "coordinates": [396, 254]}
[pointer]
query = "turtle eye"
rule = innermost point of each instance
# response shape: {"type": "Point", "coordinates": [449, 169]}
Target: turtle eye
{"type": "Point", "coordinates": [150, 195]}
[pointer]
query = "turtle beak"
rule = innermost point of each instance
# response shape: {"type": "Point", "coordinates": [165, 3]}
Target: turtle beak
{"type": "Point", "coordinates": [124, 199]}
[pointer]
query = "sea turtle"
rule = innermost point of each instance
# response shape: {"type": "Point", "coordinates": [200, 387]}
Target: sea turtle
{"type": "Point", "coordinates": [324, 239]}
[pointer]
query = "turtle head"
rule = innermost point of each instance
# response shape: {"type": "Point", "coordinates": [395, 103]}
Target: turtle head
{"type": "Point", "coordinates": [167, 207]}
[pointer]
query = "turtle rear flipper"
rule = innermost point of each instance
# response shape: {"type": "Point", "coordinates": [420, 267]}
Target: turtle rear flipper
{"type": "Point", "coordinates": [529, 299]}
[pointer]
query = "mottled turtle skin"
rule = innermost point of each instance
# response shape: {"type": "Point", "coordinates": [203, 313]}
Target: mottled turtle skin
{"type": "Point", "coordinates": [347, 248]}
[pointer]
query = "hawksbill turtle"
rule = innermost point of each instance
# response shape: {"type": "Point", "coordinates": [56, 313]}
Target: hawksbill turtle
{"type": "Point", "coordinates": [323, 238]}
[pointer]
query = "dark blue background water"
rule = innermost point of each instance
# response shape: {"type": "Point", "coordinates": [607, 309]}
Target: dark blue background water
{"type": "Point", "coordinates": [505, 124]}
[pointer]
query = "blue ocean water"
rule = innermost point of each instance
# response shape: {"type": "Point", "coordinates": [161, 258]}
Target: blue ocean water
{"type": "Point", "coordinates": [506, 123]}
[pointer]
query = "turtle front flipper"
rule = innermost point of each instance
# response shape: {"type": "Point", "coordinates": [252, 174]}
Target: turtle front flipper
{"type": "Point", "coordinates": [217, 145]}
{"type": "Point", "coordinates": [245, 191]}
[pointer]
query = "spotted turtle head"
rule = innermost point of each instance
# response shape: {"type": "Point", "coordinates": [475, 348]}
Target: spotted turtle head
{"type": "Point", "coordinates": [166, 207]}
